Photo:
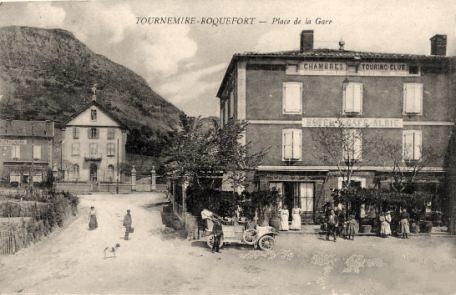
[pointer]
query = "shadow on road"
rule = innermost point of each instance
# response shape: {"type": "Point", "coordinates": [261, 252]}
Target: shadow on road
{"type": "Point", "coordinates": [155, 205]}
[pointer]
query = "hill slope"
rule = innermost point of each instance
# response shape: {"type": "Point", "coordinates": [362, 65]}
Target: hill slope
{"type": "Point", "coordinates": [48, 74]}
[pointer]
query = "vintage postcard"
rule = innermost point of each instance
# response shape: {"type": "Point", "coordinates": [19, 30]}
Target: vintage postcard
{"type": "Point", "coordinates": [228, 147]}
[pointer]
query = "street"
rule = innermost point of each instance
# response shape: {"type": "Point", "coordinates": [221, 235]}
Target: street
{"type": "Point", "coordinates": [157, 261]}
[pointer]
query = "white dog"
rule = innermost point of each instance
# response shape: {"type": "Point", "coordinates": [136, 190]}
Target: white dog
{"type": "Point", "coordinates": [110, 251]}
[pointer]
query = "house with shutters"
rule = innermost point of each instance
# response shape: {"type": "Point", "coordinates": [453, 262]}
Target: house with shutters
{"type": "Point", "coordinates": [93, 145]}
{"type": "Point", "coordinates": [25, 150]}
{"type": "Point", "coordinates": [286, 96]}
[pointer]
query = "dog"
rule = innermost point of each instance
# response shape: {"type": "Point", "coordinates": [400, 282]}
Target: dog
{"type": "Point", "coordinates": [111, 251]}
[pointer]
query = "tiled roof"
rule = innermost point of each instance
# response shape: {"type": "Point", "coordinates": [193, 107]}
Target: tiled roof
{"type": "Point", "coordinates": [343, 54]}
{"type": "Point", "coordinates": [26, 128]}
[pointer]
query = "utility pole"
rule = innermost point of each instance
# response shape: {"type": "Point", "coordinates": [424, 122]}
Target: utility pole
{"type": "Point", "coordinates": [33, 156]}
{"type": "Point", "coordinates": [117, 178]}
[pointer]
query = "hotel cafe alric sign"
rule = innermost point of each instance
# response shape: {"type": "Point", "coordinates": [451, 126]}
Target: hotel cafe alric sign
{"type": "Point", "coordinates": [361, 69]}
{"type": "Point", "coordinates": [352, 122]}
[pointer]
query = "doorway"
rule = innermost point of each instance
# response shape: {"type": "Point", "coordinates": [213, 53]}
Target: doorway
{"type": "Point", "coordinates": [301, 195]}
{"type": "Point", "coordinates": [93, 172]}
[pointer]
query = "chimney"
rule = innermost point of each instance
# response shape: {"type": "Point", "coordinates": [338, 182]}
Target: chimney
{"type": "Point", "coordinates": [307, 40]}
{"type": "Point", "coordinates": [438, 45]}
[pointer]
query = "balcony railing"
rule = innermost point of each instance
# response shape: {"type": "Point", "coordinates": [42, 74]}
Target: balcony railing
{"type": "Point", "coordinates": [93, 156]}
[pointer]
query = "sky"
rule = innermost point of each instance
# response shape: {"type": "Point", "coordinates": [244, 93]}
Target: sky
{"type": "Point", "coordinates": [185, 63]}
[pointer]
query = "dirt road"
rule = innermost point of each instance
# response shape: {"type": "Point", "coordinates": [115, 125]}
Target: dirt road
{"type": "Point", "coordinates": [155, 261]}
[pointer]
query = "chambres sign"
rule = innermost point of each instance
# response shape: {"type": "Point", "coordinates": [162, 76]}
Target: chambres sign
{"type": "Point", "coordinates": [340, 68]}
{"type": "Point", "coordinates": [352, 122]}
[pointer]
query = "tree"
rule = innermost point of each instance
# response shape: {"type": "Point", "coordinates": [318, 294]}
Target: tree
{"type": "Point", "coordinates": [201, 148]}
{"type": "Point", "coordinates": [343, 147]}
{"type": "Point", "coordinates": [404, 171]}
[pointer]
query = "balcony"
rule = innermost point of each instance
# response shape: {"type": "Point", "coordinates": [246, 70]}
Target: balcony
{"type": "Point", "coordinates": [93, 156]}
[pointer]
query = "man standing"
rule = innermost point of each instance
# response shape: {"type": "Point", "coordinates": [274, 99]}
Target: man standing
{"type": "Point", "coordinates": [217, 232]}
{"type": "Point", "coordinates": [127, 224]}
{"type": "Point", "coordinates": [332, 224]}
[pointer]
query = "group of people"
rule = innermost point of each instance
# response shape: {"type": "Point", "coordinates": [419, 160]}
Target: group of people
{"type": "Point", "coordinates": [385, 224]}
{"type": "Point", "coordinates": [295, 219]}
{"type": "Point", "coordinates": [127, 222]}
{"type": "Point", "coordinates": [339, 225]}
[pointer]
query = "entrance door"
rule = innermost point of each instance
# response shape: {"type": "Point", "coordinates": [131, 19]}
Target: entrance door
{"type": "Point", "coordinates": [93, 172]}
{"type": "Point", "coordinates": [291, 195]}
{"type": "Point", "coordinates": [306, 198]}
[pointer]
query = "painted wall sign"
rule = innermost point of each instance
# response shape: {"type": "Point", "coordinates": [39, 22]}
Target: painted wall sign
{"type": "Point", "coordinates": [352, 122]}
{"type": "Point", "coordinates": [310, 68]}
{"type": "Point", "coordinates": [9, 142]}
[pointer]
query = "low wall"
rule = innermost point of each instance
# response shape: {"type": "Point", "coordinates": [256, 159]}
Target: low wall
{"type": "Point", "coordinates": [73, 187]}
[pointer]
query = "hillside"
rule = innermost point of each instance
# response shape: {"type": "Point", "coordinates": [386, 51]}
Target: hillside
{"type": "Point", "coordinates": [48, 74]}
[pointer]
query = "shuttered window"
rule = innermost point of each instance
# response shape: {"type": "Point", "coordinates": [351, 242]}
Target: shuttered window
{"type": "Point", "coordinates": [75, 149]}
{"type": "Point", "coordinates": [353, 98]}
{"type": "Point", "coordinates": [75, 132]}
{"type": "Point", "coordinates": [413, 98]}
{"type": "Point", "coordinates": [352, 145]}
{"type": "Point", "coordinates": [16, 151]}
{"type": "Point", "coordinates": [412, 145]}
{"type": "Point", "coordinates": [36, 152]}
{"type": "Point", "coordinates": [92, 133]}
{"type": "Point", "coordinates": [110, 149]}
{"type": "Point", "coordinates": [291, 144]}
{"type": "Point", "coordinates": [292, 98]}
{"type": "Point", "coordinates": [111, 133]}
{"type": "Point", "coordinates": [93, 149]}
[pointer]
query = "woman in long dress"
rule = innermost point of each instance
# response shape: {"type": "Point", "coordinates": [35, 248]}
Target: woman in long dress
{"type": "Point", "coordinates": [385, 228]}
{"type": "Point", "coordinates": [296, 218]}
{"type": "Point", "coordinates": [93, 223]}
{"type": "Point", "coordinates": [284, 215]}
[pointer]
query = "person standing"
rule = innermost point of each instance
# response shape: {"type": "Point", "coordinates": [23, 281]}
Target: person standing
{"type": "Point", "coordinates": [217, 232]}
{"type": "Point", "coordinates": [351, 224]}
{"type": "Point", "coordinates": [405, 228]}
{"type": "Point", "coordinates": [127, 224]}
{"type": "Point", "coordinates": [332, 224]}
{"type": "Point", "coordinates": [284, 216]}
{"type": "Point", "coordinates": [296, 218]}
{"type": "Point", "coordinates": [93, 223]}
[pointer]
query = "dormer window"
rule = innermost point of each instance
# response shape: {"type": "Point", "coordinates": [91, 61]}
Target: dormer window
{"type": "Point", "coordinates": [93, 115]}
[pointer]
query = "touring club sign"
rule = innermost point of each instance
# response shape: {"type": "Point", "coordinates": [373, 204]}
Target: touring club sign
{"type": "Point", "coordinates": [340, 68]}
{"type": "Point", "coordinates": [352, 122]}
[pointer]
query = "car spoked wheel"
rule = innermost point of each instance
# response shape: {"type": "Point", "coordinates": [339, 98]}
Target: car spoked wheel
{"type": "Point", "coordinates": [249, 236]}
{"type": "Point", "coordinates": [266, 243]}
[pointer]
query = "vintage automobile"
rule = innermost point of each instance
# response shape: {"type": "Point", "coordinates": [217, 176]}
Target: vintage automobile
{"type": "Point", "coordinates": [235, 232]}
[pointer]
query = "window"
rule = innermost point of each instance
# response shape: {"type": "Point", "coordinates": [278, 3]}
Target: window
{"type": "Point", "coordinates": [75, 133]}
{"type": "Point", "coordinates": [36, 152]}
{"type": "Point", "coordinates": [110, 149]}
{"type": "Point", "coordinates": [353, 98]}
{"type": "Point", "coordinates": [93, 149]}
{"type": "Point", "coordinates": [111, 133]}
{"type": "Point", "coordinates": [291, 144]}
{"type": "Point", "coordinates": [93, 133]}
{"type": "Point", "coordinates": [411, 145]}
{"type": "Point", "coordinates": [352, 144]}
{"type": "Point", "coordinates": [292, 98]}
{"type": "Point", "coordinates": [16, 151]}
{"type": "Point", "coordinates": [231, 104]}
{"type": "Point", "coordinates": [75, 171]}
{"type": "Point", "coordinates": [93, 115]}
{"type": "Point", "coordinates": [413, 98]}
{"type": "Point", "coordinates": [75, 149]}
{"type": "Point", "coordinates": [226, 115]}
{"type": "Point", "coordinates": [306, 196]}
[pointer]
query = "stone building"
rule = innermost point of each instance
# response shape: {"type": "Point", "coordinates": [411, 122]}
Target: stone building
{"type": "Point", "coordinates": [93, 145]}
{"type": "Point", "coordinates": [289, 96]}
{"type": "Point", "coordinates": [25, 150]}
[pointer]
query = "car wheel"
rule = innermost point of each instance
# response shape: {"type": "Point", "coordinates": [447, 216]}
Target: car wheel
{"type": "Point", "coordinates": [266, 242]}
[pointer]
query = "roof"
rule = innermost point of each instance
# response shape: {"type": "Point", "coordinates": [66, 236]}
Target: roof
{"type": "Point", "coordinates": [331, 54]}
{"type": "Point", "coordinates": [27, 128]}
{"type": "Point", "coordinates": [101, 107]}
